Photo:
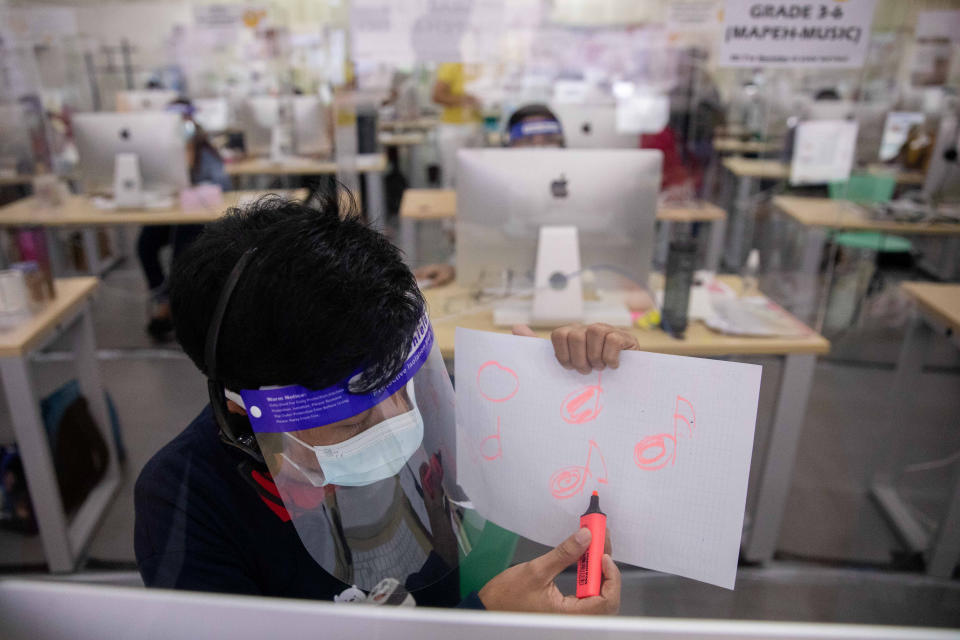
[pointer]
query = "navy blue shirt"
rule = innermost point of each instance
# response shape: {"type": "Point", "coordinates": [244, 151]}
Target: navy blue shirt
{"type": "Point", "coordinates": [208, 519]}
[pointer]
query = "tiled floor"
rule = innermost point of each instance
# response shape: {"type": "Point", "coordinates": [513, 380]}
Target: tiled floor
{"type": "Point", "coordinates": [850, 425]}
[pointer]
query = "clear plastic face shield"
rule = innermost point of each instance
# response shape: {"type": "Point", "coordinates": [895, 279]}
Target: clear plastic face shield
{"type": "Point", "coordinates": [536, 133]}
{"type": "Point", "coordinates": [368, 478]}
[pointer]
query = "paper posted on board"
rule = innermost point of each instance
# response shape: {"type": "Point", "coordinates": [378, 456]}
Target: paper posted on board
{"type": "Point", "coordinates": [665, 440]}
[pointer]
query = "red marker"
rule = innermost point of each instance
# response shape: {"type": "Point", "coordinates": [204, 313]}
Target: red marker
{"type": "Point", "coordinates": [588, 568]}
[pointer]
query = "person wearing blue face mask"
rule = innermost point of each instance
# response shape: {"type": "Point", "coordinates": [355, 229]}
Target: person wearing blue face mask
{"type": "Point", "coordinates": [206, 166]}
{"type": "Point", "coordinates": [324, 465]}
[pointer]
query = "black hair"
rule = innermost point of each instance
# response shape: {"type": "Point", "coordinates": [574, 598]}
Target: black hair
{"type": "Point", "coordinates": [827, 94]}
{"type": "Point", "coordinates": [539, 111]}
{"type": "Point", "coordinates": [322, 296]}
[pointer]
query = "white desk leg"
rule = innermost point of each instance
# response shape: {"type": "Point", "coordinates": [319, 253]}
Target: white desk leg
{"type": "Point", "coordinates": [903, 404]}
{"type": "Point", "coordinates": [741, 227]}
{"type": "Point", "coordinates": [663, 243]}
{"type": "Point", "coordinates": [88, 375]}
{"type": "Point", "coordinates": [774, 487]}
{"type": "Point", "coordinates": [718, 231]}
{"type": "Point", "coordinates": [94, 264]}
{"type": "Point", "coordinates": [946, 547]}
{"type": "Point", "coordinates": [418, 173]}
{"type": "Point", "coordinates": [808, 286]}
{"type": "Point", "coordinates": [37, 462]}
{"type": "Point", "coordinates": [55, 251]}
{"type": "Point", "coordinates": [409, 241]}
{"type": "Point", "coordinates": [376, 200]}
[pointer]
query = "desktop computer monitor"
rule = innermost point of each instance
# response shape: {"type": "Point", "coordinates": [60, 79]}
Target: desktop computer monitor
{"type": "Point", "coordinates": [896, 128]}
{"type": "Point", "coordinates": [213, 114]}
{"type": "Point", "coordinates": [508, 199]}
{"type": "Point", "coordinates": [260, 115]}
{"type": "Point", "coordinates": [16, 149]}
{"type": "Point", "coordinates": [156, 137]}
{"type": "Point", "coordinates": [593, 126]}
{"type": "Point", "coordinates": [146, 100]}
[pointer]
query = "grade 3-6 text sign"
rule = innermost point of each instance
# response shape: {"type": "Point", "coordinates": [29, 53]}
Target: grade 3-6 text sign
{"type": "Point", "coordinates": [794, 33]}
{"type": "Point", "coordinates": [666, 440]}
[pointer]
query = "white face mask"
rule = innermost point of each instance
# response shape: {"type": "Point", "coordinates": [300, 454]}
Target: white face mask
{"type": "Point", "coordinates": [376, 454]}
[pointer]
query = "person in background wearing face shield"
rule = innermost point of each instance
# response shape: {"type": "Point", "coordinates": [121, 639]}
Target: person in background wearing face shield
{"type": "Point", "coordinates": [205, 165]}
{"type": "Point", "coordinates": [325, 465]}
{"type": "Point", "coordinates": [532, 125]}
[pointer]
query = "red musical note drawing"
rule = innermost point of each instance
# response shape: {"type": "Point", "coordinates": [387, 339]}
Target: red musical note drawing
{"type": "Point", "coordinates": [691, 422]}
{"type": "Point", "coordinates": [499, 384]}
{"type": "Point", "coordinates": [664, 445]}
{"type": "Point", "coordinates": [569, 481]}
{"type": "Point", "coordinates": [484, 448]}
{"type": "Point", "coordinates": [582, 405]}
{"type": "Point", "coordinates": [667, 454]}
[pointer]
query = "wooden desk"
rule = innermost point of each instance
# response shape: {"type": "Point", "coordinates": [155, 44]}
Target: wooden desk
{"type": "Point", "coordinates": [761, 169]}
{"type": "Point", "coordinates": [421, 205]}
{"type": "Point", "coordinates": [936, 309]}
{"type": "Point", "coordinates": [849, 216]}
{"type": "Point", "coordinates": [405, 139]}
{"type": "Point", "coordinates": [818, 216]}
{"type": "Point", "coordinates": [739, 191]}
{"type": "Point", "coordinates": [16, 180]}
{"type": "Point", "coordinates": [79, 211]}
{"type": "Point", "coordinates": [416, 124]}
{"type": "Point", "coordinates": [737, 146]}
{"type": "Point", "coordinates": [372, 164]}
{"type": "Point", "coordinates": [64, 542]}
{"type": "Point", "coordinates": [453, 306]}
{"type": "Point", "coordinates": [366, 163]}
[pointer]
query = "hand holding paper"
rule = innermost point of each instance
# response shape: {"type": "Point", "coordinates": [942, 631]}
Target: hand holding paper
{"type": "Point", "coordinates": [666, 439]}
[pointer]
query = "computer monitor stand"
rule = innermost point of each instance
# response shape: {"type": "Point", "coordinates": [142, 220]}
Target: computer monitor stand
{"type": "Point", "coordinates": [558, 289]}
{"type": "Point", "coordinates": [281, 142]}
{"type": "Point", "coordinates": [127, 181]}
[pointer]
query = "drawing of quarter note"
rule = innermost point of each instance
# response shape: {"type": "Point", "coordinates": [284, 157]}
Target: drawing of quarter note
{"type": "Point", "coordinates": [582, 405]}
{"type": "Point", "coordinates": [570, 481]}
{"type": "Point", "coordinates": [496, 382]}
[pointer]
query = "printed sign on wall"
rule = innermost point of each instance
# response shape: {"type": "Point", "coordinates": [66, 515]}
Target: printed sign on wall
{"type": "Point", "coordinates": [828, 33]}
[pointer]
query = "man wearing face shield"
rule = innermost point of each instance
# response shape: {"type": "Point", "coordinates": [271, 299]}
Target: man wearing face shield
{"type": "Point", "coordinates": [325, 463]}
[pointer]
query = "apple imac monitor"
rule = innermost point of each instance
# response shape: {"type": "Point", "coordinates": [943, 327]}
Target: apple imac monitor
{"type": "Point", "coordinates": [593, 126]}
{"type": "Point", "coordinates": [259, 116]}
{"type": "Point", "coordinates": [543, 218]}
{"type": "Point", "coordinates": [213, 114]}
{"type": "Point", "coordinates": [146, 100]}
{"type": "Point", "coordinates": [941, 185]}
{"type": "Point", "coordinates": [16, 150]}
{"type": "Point", "coordinates": [156, 137]}
{"type": "Point", "coordinates": [896, 128]}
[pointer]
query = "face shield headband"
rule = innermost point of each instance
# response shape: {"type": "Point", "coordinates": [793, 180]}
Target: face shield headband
{"type": "Point", "coordinates": [530, 128]}
{"type": "Point", "coordinates": [295, 408]}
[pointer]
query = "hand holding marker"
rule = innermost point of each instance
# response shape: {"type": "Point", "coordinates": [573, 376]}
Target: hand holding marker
{"type": "Point", "coordinates": [588, 567]}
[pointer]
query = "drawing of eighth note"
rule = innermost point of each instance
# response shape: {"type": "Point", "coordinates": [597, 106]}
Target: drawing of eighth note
{"type": "Point", "coordinates": [570, 481]}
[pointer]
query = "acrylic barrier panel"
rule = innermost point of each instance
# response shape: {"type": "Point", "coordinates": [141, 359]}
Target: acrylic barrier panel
{"type": "Point", "coordinates": [665, 440]}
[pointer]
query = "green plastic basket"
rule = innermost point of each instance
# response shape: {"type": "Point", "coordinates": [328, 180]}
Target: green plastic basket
{"type": "Point", "coordinates": [867, 188]}
{"type": "Point", "coordinates": [873, 241]}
